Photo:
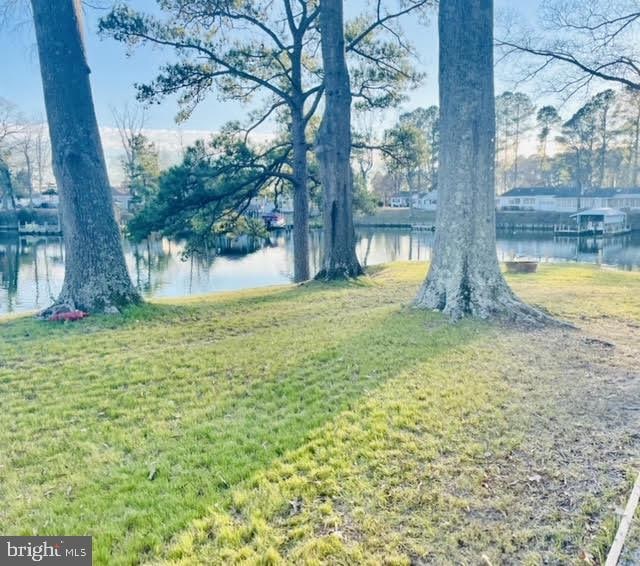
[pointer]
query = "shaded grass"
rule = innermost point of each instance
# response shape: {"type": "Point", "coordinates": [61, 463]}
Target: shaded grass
{"type": "Point", "coordinates": [312, 423]}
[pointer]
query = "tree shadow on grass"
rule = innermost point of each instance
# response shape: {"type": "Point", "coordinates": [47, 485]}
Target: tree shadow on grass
{"type": "Point", "coordinates": [161, 311]}
{"type": "Point", "coordinates": [161, 453]}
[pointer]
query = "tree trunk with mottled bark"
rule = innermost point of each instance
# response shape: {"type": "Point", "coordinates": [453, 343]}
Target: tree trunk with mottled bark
{"type": "Point", "coordinates": [96, 276]}
{"type": "Point", "coordinates": [333, 149]}
{"type": "Point", "coordinates": [300, 196]}
{"type": "Point", "coordinates": [464, 278]}
{"type": "Point", "coordinates": [636, 150]}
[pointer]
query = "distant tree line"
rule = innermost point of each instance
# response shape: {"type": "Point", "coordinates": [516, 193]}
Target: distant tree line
{"type": "Point", "coordinates": [597, 146]}
{"type": "Point", "coordinates": [24, 155]}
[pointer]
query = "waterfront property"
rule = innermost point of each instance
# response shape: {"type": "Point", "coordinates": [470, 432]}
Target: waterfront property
{"type": "Point", "coordinates": [32, 267]}
{"type": "Point", "coordinates": [422, 201]}
{"type": "Point", "coordinates": [567, 199]}
{"type": "Point", "coordinates": [605, 221]}
{"type": "Point", "coordinates": [596, 222]}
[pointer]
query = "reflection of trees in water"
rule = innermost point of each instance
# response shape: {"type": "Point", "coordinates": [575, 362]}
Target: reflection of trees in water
{"type": "Point", "coordinates": [367, 249]}
{"type": "Point", "coordinates": [391, 243]}
{"type": "Point", "coordinates": [9, 267]}
{"type": "Point", "coordinates": [315, 249]}
{"type": "Point", "coordinates": [588, 245]}
{"type": "Point", "coordinates": [18, 253]}
{"type": "Point", "coordinates": [30, 273]}
{"type": "Point", "coordinates": [153, 258]}
{"type": "Point", "coordinates": [150, 258]}
{"type": "Point", "coordinates": [228, 246]}
{"type": "Point", "coordinates": [47, 271]}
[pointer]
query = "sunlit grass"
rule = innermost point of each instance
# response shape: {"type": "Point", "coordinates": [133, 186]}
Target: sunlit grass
{"type": "Point", "coordinates": [301, 424]}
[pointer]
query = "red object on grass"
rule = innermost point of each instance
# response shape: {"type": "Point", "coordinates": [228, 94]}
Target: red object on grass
{"type": "Point", "coordinates": [70, 315]}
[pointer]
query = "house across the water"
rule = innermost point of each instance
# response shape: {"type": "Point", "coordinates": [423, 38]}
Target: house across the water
{"type": "Point", "coordinates": [596, 222]}
{"type": "Point", "coordinates": [565, 199]}
{"type": "Point", "coordinates": [423, 201]}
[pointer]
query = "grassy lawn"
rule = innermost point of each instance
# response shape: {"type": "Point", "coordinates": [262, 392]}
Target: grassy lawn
{"type": "Point", "coordinates": [327, 424]}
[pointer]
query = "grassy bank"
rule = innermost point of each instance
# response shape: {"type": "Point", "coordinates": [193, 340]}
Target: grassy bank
{"type": "Point", "coordinates": [326, 423]}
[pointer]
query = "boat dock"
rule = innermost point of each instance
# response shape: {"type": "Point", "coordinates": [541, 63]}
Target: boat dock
{"type": "Point", "coordinates": [423, 228]}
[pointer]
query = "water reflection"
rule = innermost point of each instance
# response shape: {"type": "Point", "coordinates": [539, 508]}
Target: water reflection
{"type": "Point", "coordinates": [32, 269]}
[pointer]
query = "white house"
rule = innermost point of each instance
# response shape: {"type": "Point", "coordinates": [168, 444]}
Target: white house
{"type": "Point", "coordinates": [39, 200]}
{"type": "Point", "coordinates": [425, 201]}
{"type": "Point", "coordinates": [565, 199]}
{"type": "Point", "coordinates": [400, 200]}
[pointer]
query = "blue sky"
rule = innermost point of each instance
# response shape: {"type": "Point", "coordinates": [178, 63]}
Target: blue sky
{"type": "Point", "coordinates": [114, 73]}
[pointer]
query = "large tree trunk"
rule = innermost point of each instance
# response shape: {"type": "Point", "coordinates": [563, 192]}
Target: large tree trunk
{"type": "Point", "coordinates": [465, 278]}
{"type": "Point", "coordinates": [96, 275]}
{"type": "Point", "coordinates": [333, 149]}
{"type": "Point", "coordinates": [300, 197]}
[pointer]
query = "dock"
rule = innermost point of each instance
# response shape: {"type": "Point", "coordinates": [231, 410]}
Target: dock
{"type": "Point", "coordinates": [423, 228]}
{"type": "Point", "coordinates": [567, 230]}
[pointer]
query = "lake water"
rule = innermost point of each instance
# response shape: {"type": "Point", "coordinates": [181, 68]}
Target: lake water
{"type": "Point", "coordinates": [32, 269]}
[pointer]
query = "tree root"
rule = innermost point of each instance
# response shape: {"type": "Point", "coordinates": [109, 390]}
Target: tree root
{"type": "Point", "coordinates": [492, 302]}
{"type": "Point", "coordinates": [339, 273]}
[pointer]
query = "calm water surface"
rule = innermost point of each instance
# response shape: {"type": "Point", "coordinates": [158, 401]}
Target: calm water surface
{"type": "Point", "coordinates": [32, 269]}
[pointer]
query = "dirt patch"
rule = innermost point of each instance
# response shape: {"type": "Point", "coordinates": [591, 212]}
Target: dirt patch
{"type": "Point", "coordinates": [582, 415]}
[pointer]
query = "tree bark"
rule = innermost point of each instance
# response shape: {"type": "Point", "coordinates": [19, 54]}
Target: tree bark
{"type": "Point", "coordinates": [300, 196]}
{"type": "Point", "coordinates": [96, 275]}
{"type": "Point", "coordinates": [333, 149]}
{"type": "Point", "coordinates": [636, 151]}
{"type": "Point", "coordinates": [464, 278]}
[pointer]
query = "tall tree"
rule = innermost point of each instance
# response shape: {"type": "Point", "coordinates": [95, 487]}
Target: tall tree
{"type": "Point", "coordinates": [206, 194]}
{"type": "Point", "coordinates": [523, 109]}
{"type": "Point", "coordinates": [579, 137]}
{"type": "Point", "coordinates": [7, 191]}
{"type": "Point", "coordinates": [11, 122]}
{"type": "Point", "coordinates": [96, 276]}
{"type": "Point", "coordinates": [405, 155]}
{"type": "Point", "coordinates": [41, 154]}
{"type": "Point", "coordinates": [547, 117]}
{"type": "Point", "coordinates": [603, 103]}
{"type": "Point", "coordinates": [630, 111]}
{"type": "Point", "coordinates": [269, 53]}
{"type": "Point", "coordinates": [27, 148]}
{"type": "Point", "coordinates": [514, 111]}
{"type": "Point", "coordinates": [464, 278]}
{"type": "Point", "coordinates": [333, 149]}
{"type": "Point", "coordinates": [426, 120]}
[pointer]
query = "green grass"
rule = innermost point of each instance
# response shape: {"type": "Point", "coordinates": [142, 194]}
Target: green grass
{"type": "Point", "coordinates": [319, 423]}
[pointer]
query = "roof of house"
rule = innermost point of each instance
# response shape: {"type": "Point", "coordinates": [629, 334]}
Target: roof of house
{"type": "Point", "coordinates": [603, 211]}
{"type": "Point", "coordinates": [569, 192]}
{"type": "Point", "coordinates": [538, 191]}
